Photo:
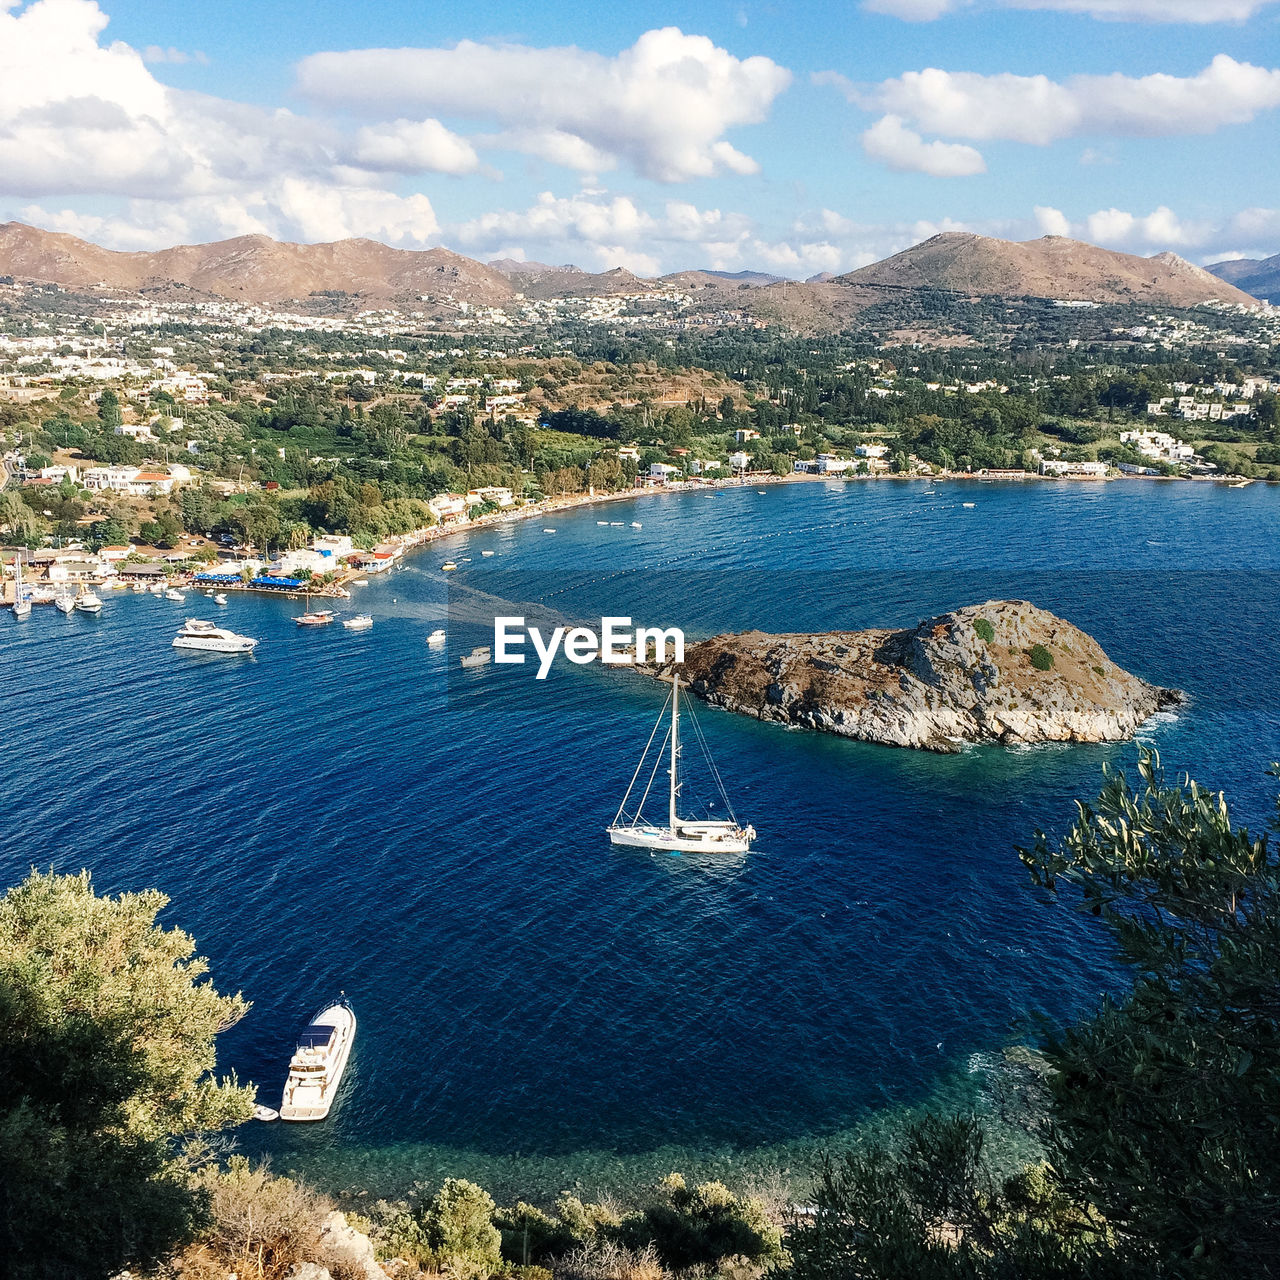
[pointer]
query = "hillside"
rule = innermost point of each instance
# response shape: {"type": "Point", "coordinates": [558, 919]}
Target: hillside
{"type": "Point", "coordinates": [252, 268]}
{"type": "Point", "coordinates": [1052, 267]}
{"type": "Point", "coordinates": [1257, 276]}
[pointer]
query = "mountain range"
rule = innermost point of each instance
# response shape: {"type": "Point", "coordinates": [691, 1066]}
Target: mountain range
{"type": "Point", "coordinates": [1258, 276]}
{"type": "Point", "coordinates": [257, 269]}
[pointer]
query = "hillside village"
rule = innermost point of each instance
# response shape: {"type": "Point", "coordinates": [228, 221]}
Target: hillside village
{"type": "Point", "coordinates": [174, 430]}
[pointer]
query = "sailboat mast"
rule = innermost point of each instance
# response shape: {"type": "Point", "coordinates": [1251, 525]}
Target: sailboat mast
{"type": "Point", "coordinates": [675, 745]}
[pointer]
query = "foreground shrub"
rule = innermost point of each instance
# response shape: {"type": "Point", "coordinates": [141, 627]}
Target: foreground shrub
{"type": "Point", "coordinates": [261, 1225]}
{"type": "Point", "coordinates": [608, 1260]}
{"type": "Point", "coordinates": [452, 1232]}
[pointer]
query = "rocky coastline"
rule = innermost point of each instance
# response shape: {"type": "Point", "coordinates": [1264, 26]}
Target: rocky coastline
{"type": "Point", "coordinates": [1002, 672]}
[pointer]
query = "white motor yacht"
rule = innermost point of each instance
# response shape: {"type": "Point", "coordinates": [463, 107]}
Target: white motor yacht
{"type": "Point", "coordinates": [88, 603]}
{"type": "Point", "coordinates": [480, 656]}
{"type": "Point", "coordinates": [437, 638]}
{"type": "Point", "coordinates": [171, 594]}
{"type": "Point", "coordinates": [319, 1059]}
{"type": "Point", "coordinates": [361, 622]}
{"type": "Point", "coordinates": [198, 634]}
{"type": "Point", "coordinates": [219, 598]}
{"type": "Point", "coordinates": [679, 835]}
{"type": "Point", "coordinates": [65, 603]}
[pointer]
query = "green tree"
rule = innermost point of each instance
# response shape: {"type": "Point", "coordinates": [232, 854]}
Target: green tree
{"type": "Point", "coordinates": [109, 412]}
{"type": "Point", "coordinates": [107, 1031]}
{"type": "Point", "coordinates": [1164, 1104]}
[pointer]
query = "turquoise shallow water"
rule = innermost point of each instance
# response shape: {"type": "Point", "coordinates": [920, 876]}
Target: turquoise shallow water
{"type": "Point", "coordinates": [537, 1007]}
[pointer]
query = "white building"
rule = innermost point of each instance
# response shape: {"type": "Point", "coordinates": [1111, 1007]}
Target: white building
{"type": "Point", "coordinates": [870, 451]}
{"type": "Point", "coordinates": [662, 471]}
{"type": "Point", "coordinates": [448, 506]}
{"type": "Point", "coordinates": [830, 464]}
{"type": "Point", "coordinates": [1158, 445]}
{"type": "Point", "coordinates": [1057, 467]}
{"type": "Point", "coordinates": [739, 461]}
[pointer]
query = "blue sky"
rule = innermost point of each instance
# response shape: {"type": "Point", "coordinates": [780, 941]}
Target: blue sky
{"type": "Point", "coordinates": [794, 138]}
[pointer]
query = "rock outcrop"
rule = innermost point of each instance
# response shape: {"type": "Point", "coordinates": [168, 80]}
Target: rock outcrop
{"type": "Point", "coordinates": [1004, 672]}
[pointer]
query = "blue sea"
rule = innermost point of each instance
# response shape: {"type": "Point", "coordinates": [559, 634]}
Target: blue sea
{"type": "Point", "coordinates": [539, 1010]}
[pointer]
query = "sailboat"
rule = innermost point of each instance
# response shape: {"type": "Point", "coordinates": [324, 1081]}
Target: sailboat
{"type": "Point", "coordinates": [679, 835]}
{"type": "Point", "coordinates": [21, 603]}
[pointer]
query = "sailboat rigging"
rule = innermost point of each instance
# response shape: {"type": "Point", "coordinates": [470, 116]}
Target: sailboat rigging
{"type": "Point", "coordinates": [679, 835]}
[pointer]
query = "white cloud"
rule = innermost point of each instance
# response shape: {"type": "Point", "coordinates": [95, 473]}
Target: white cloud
{"type": "Point", "coordinates": [911, 10]}
{"type": "Point", "coordinates": [414, 146]}
{"type": "Point", "coordinates": [1199, 12]}
{"type": "Point", "coordinates": [901, 149]}
{"type": "Point", "coordinates": [662, 106]}
{"type": "Point", "coordinates": [1035, 109]}
{"type": "Point", "coordinates": [156, 53]}
{"type": "Point", "coordinates": [1052, 222]}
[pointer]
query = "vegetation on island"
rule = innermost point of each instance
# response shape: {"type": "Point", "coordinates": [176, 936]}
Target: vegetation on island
{"type": "Point", "coordinates": [1155, 1115]}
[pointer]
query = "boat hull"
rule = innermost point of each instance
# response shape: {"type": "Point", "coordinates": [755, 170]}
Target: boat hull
{"type": "Point", "coordinates": [700, 838]}
{"type": "Point", "coordinates": [243, 644]}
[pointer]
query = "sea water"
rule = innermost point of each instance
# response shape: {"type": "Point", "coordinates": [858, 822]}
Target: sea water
{"type": "Point", "coordinates": [539, 1010]}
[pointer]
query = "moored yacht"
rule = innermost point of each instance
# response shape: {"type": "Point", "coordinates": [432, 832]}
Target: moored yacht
{"type": "Point", "coordinates": [679, 835]}
{"type": "Point", "coordinates": [171, 594]}
{"type": "Point", "coordinates": [315, 618]}
{"type": "Point", "coordinates": [87, 602]}
{"type": "Point", "coordinates": [64, 603]}
{"type": "Point", "coordinates": [21, 602]}
{"type": "Point", "coordinates": [198, 634]}
{"type": "Point", "coordinates": [319, 1059]}
{"type": "Point", "coordinates": [361, 622]}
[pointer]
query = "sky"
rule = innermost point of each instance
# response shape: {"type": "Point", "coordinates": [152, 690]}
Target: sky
{"type": "Point", "coordinates": [793, 137]}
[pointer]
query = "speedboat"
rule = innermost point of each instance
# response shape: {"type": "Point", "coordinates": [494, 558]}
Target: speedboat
{"type": "Point", "coordinates": [88, 603]}
{"type": "Point", "coordinates": [156, 588]}
{"type": "Point", "coordinates": [486, 554]}
{"type": "Point", "coordinates": [448, 566]}
{"type": "Point", "coordinates": [480, 656]}
{"type": "Point", "coordinates": [318, 618]}
{"type": "Point", "coordinates": [548, 531]}
{"type": "Point", "coordinates": [678, 835]}
{"type": "Point", "coordinates": [65, 603]}
{"type": "Point", "coordinates": [219, 598]}
{"type": "Point", "coordinates": [361, 622]}
{"type": "Point", "coordinates": [437, 638]}
{"type": "Point", "coordinates": [635, 524]}
{"type": "Point", "coordinates": [171, 594]}
{"type": "Point", "coordinates": [198, 634]}
{"type": "Point", "coordinates": [319, 1058]}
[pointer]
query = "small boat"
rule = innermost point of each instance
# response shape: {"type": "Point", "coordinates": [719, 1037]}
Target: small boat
{"type": "Point", "coordinates": [359, 582]}
{"type": "Point", "coordinates": [437, 638]}
{"type": "Point", "coordinates": [604, 524]}
{"type": "Point", "coordinates": [219, 598]}
{"type": "Point", "coordinates": [198, 634]}
{"type": "Point", "coordinates": [968, 505]}
{"type": "Point", "coordinates": [679, 835]}
{"type": "Point", "coordinates": [319, 1058]}
{"type": "Point", "coordinates": [635, 524]}
{"type": "Point", "coordinates": [615, 524]}
{"type": "Point", "coordinates": [480, 656]}
{"type": "Point", "coordinates": [65, 603]}
{"type": "Point", "coordinates": [548, 531]}
{"type": "Point", "coordinates": [760, 492]}
{"type": "Point", "coordinates": [361, 622]}
{"type": "Point", "coordinates": [1240, 484]}
{"type": "Point", "coordinates": [318, 618]}
{"type": "Point", "coordinates": [486, 554]}
{"type": "Point", "coordinates": [171, 594]}
{"type": "Point", "coordinates": [87, 602]}
{"type": "Point", "coordinates": [266, 1114]}
{"type": "Point", "coordinates": [448, 566]}
{"type": "Point", "coordinates": [156, 588]}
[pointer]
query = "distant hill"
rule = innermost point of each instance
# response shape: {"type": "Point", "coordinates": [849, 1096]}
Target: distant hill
{"type": "Point", "coordinates": [252, 268]}
{"type": "Point", "coordinates": [1258, 276]}
{"type": "Point", "coordinates": [724, 281]}
{"type": "Point", "coordinates": [1053, 267]}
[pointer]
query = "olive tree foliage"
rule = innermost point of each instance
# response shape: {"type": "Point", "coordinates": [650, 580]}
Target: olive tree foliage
{"type": "Point", "coordinates": [1165, 1106]}
{"type": "Point", "coordinates": [107, 1032]}
{"type": "Point", "coordinates": [1162, 1108]}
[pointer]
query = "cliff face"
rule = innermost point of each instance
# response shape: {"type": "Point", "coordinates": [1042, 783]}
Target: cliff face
{"type": "Point", "coordinates": [937, 686]}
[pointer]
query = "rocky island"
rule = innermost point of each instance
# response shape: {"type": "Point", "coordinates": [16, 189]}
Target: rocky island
{"type": "Point", "coordinates": [1004, 672]}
